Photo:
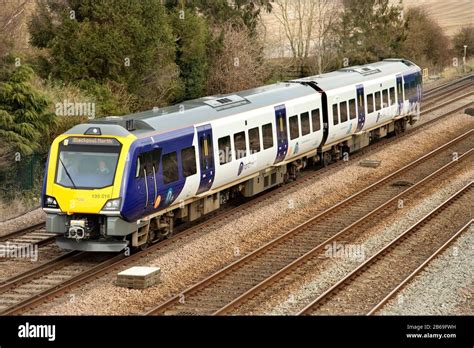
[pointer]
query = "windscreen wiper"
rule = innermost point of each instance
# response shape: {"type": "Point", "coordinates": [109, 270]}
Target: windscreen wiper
{"type": "Point", "coordinates": [67, 173]}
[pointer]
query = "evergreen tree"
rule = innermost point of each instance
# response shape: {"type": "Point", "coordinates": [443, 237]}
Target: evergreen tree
{"type": "Point", "coordinates": [129, 42]}
{"type": "Point", "coordinates": [24, 120]}
{"type": "Point", "coordinates": [370, 30]}
{"type": "Point", "coordinates": [192, 40]}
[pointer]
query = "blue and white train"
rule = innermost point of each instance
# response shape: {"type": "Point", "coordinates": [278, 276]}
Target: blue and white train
{"type": "Point", "coordinates": [125, 181]}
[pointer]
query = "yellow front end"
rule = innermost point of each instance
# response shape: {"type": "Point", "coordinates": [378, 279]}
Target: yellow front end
{"type": "Point", "coordinates": [84, 200]}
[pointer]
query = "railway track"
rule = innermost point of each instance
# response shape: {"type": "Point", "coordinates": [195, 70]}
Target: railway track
{"type": "Point", "coordinates": [26, 288]}
{"type": "Point", "coordinates": [104, 268]}
{"type": "Point", "coordinates": [403, 283]}
{"type": "Point", "coordinates": [446, 87]}
{"type": "Point", "coordinates": [217, 291]}
{"type": "Point", "coordinates": [307, 263]}
{"type": "Point", "coordinates": [365, 289]}
{"type": "Point", "coordinates": [34, 234]}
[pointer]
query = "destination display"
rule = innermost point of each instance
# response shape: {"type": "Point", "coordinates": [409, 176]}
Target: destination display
{"type": "Point", "coordinates": [91, 141]}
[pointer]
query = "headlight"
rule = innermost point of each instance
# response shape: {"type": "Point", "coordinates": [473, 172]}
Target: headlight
{"type": "Point", "coordinates": [50, 202]}
{"type": "Point", "coordinates": [112, 204]}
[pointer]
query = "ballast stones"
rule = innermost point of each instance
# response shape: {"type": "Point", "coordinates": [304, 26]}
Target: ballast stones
{"type": "Point", "coordinates": [139, 277]}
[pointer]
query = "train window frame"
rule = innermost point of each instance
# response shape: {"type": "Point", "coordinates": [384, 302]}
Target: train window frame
{"type": "Point", "coordinates": [343, 111]}
{"type": "Point", "coordinates": [175, 170]}
{"type": "Point", "coordinates": [240, 152]}
{"type": "Point", "coordinates": [294, 131]}
{"type": "Point", "coordinates": [225, 151]}
{"type": "Point", "coordinates": [370, 103]}
{"type": "Point", "coordinates": [391, 96]}
{"type": "Point", "coordinates": [335, 114]}
{"type": "Point", "coordinates": [378, 100]}
{"type": "Point", "coordinates": [305, 125]}
{"type": "Point", "coordinates": [352, 109]}
{"type": "Point", "coordinates": [189, 165]}
{"type": "Point", "coordinates": [265, 134]}
{"type": "Point", "coordinates": [315, 115]}
{"type": "Point", "coordinates": [385, 98]}
{"type": "Point", "coordinates": [255, 139]}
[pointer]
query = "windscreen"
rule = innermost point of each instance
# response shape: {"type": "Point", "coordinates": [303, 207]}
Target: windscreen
{"type": "Point", "coordinates": [87, 162]}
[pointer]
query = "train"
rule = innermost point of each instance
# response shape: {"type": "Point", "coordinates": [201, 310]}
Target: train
{"type": "Point", "coordinates": [127, 181]}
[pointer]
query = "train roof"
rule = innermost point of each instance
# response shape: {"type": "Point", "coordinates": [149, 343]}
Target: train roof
{"type": "Point", "coordinates": [206, 109]}
{"type": "Point", "coordinates": [358, 74]}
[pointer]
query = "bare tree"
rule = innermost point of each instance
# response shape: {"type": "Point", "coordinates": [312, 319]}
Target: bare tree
{"type": "Point", "coordinates": [239, 63]}
{"type": "Point", "coordinates": [13, 32]}
{"type": "Point", "coordinates": [327, 17]}
{"type": "Point", "coordinates": [308, 28]}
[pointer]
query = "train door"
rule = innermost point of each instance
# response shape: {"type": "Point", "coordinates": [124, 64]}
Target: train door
{"type": "Point", "coordinates": [147, 168]}
{"type": "Point", "coordinates": [360, 107]}
{"type": "Point", "coordinates": [400, 93]}
{"type": "Point", "coordinates": [206, 157]}
{"type": "Point", "coordinates": [151, 162]}
{"type": "Point", "coordinates": [281, 132]}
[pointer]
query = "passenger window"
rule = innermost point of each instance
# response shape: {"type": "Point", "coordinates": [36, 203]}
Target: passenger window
{"type": "Point", "coordinates": [352, 109]}
{"type": "Point", "coordinates": [305, 128]}
{"type": "Point", "coordinates": [385, 98]}
{"type": "Point", "coordinates": [294, 131]}
{"type": "Point", "coordinates": [170, 168]}
{"type": "Point", "coordinates": [239, 145]}
{"type": "Point", "coordinates": [378, 101]}
{"type": "Point", "coordinates": [343, 110]}
{"type": "Point", "coordinates": [267, 135]}
{"type": "Point", "coordinates": [188, 159]}
{"type": "Point", "coordinates": [225, 153]}
{"type": "Point", "coordinates": [370, 103]}
{"type": "Point", "coordinates": [315, 120]}
{"type": "Point", "coordinates": [335, 116]}
{"type": "Point", "coordinates": [254, 140]}
{"type": "Point", "coordinates": [391, 97]}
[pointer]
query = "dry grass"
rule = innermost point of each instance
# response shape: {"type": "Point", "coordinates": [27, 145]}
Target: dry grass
{"type": "Point", "coordinates": [16, 208]}
{"type": "Point", "coordinates": [452, 72]}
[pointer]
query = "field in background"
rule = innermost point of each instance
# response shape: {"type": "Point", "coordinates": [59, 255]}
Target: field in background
{"type": "Point", "coordinates": [450, 15]}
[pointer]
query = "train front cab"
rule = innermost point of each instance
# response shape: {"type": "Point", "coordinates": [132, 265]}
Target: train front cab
{"type": "Point", "coordinates": [82, 188]}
